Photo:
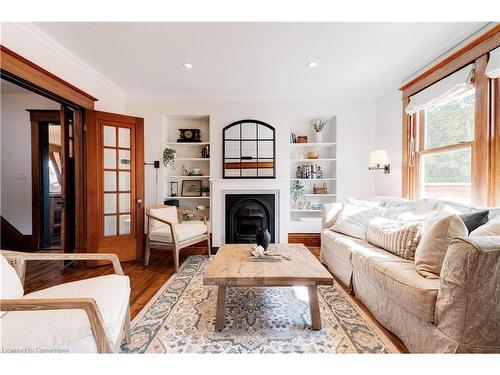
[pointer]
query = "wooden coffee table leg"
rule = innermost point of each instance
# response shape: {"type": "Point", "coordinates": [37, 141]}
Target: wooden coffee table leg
{"type": "Point", "coordinates": [314, 306]}
{"type": "Point", "coordinates": [221, 308]}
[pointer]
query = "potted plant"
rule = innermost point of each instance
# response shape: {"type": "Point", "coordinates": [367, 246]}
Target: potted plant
{"type": "Point", "coordinates": [169, 158]}
{"type": "Point", "coordinates": [318, 125]}
{"type": "Point", "coordinates": [205, 190]}
{"type": "Point", "coordinates": [297, 190]}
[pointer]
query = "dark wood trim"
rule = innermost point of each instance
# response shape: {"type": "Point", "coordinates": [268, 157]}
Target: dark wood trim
{"type": "Point", "coordinates": [52, 116]}
{"type": "Point", "coordinates": [308, 239]}
{"type": "Point", "coordinates": [22, 70]}
{"type": "Point", "coordinates": [494, 188]}
{"type": "Point", "coordinates": [464, 56]}
{"type": "Point", "coordinates": [139, 186]}
{"type": "Point", "coordinates": [13, 239]}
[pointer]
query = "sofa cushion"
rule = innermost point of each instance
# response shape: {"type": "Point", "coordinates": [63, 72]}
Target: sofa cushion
{"type": "Point", "coordinates": [168, 213]}
{"type": "Point", "coordinates": [184, 231]}
{"type": "Point", "coordinates": [398, 237]}
{"type": "Point", "coordinates": [69, 330]}
{"type": "Point", "coordinates": [401, 282]}
{"type": "Point", "coordinates": [353, 220]}
{"type": "Point", "coordinates": [475, 219]}
{"type": "Point", "coordinates": [358, 202]}
{"type": "Point", "coordinates": [491, 228]}
{"type": "Point", "coordinates": [432, 248]}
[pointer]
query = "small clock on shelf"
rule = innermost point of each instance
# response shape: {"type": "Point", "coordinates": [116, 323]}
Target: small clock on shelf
{"type": "Point", "coordinates": [189, 135]}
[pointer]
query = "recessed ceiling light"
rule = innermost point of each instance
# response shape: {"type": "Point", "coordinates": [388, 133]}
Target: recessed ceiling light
{"type": "Point", "coordinates": [312, 64]}
{"type": "Point", "coordinates": [187, 65]}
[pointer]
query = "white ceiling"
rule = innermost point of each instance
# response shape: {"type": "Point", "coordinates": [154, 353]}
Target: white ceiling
{"type": "Point", "coordinates": [257, 61]}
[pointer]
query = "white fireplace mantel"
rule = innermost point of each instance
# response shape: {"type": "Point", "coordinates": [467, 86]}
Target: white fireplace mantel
{"type": "Point", "coordinates": [221, 187]}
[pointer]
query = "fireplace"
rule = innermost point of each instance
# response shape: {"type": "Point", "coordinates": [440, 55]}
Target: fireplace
{"type": "Point", "coordinates": [246, 214]}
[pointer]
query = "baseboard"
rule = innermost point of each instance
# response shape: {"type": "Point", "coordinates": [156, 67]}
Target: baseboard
{"type": "Point", "coordinates": [12, 239]}
{"type": "Point", "coordinates": [308, 239]}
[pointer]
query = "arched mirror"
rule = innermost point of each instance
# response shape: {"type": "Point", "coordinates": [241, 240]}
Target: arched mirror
{"type": "Point", "coordinates": [249, 150]}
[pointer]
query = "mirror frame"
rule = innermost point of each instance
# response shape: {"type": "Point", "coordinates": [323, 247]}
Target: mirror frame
{"type": "Point", "coordinates": [242, 122]}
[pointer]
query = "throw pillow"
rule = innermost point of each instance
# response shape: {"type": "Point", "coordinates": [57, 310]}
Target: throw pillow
{"type": "Point", "coordinates": [434, 243]}
{"type": "Point", "coordinates": [491, 228]}
{"type": "Point", "coordinates": [168, 213]}
{"type": "Point", "coordinates": [398, 237]}
{"type": "Point", "coordinates": [354, 220]}
{"type": "Point", "coordinates": [10, 286]}
{"type": "Point", "coordinates": [473, 220]}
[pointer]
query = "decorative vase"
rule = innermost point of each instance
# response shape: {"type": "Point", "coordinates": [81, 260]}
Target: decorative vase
{"type": "Point", "coordinates": [263, 238]}
{"type": "Point", "coordinates": [318, 137]}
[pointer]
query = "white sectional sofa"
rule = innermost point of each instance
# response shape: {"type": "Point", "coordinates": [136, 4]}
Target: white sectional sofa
{"type": "Point", "coordinates": [457, 312]}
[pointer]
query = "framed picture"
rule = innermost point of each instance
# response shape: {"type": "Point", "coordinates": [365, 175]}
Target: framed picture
{"type": "Point", "coordinates": [191, 188]}
{"type": "Point", "coordinates": [302, 139]}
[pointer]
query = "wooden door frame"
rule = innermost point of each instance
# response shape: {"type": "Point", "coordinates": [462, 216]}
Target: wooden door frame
{"type": "Point", "coordinates": [18, 70]}
{"type": "Point", "coordinates": [38, 117]}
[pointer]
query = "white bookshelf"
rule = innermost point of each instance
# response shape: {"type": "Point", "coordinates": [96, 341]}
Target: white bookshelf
{"type": "Point", "coordinates": [309, 220]}
{"type": "Point", "coordinates": [187, 155]}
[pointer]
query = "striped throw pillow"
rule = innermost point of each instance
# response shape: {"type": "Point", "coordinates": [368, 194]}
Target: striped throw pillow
{"type": "Point", "coordinates": [398, 237]}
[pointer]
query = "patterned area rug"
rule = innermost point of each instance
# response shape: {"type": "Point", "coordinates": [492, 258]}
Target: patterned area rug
{"type": "Point", "coordinates": [180, 318]}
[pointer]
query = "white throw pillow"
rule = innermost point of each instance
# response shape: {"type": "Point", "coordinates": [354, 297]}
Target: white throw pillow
{"type": "Point", "coordinates": [10, 283]}
{"type": "Point", "coordinates": [491, 228]}
{"type": "Point", "coordinates": [354, 220]}
{"type": "Point", "coordinates": [362, 203]}
{"type": "Point", "coordinates": [434, 243]}
{"type": "Point", "coordinates": [168, 213]}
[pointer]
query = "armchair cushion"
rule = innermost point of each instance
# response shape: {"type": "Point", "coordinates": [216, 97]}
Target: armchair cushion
{"type": "Point", "coordinates": [168, 213]}
{"type": "Point", "coordinates": [184, 231]}
{"type": "Point", "coordinates": [11, 287]}
{"type": "Point", "coordinates": [68, 330]}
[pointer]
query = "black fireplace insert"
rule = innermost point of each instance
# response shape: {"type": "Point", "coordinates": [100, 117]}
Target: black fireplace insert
{"type": "Point", "coordinates": [246, 214]}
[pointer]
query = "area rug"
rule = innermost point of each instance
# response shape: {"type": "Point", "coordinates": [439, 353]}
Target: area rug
{"type": "Point", "coordinates": [180, 318]}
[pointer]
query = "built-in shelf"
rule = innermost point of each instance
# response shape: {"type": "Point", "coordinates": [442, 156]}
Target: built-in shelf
{"type": "Point", "coordinates": [186, 143]}
{"type": "Point", "coordinates": [312, 160]}
{"type": "Point", "coordinates": [322, 144]}
{"type": "Point", "coordinates": [188, 197]}
{"type": "Point", "coordinates": [320, 195]}
{"type": "Point", "coordinates": [188, 177]}
{"type": "Point", "coordinates": [314, 179]}
{"type": "Point", "coordinates": [192, 159]}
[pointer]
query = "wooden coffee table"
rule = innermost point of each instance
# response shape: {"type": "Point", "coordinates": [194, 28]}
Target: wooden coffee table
{"type": "Point", "coordinates": [231, 267]}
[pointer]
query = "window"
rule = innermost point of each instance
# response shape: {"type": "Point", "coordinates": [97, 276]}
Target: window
{"type": "Point", "coordinates": [445, 152]}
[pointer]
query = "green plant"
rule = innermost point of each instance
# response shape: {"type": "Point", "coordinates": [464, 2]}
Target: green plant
{"type": "Point", "coordinates": [169, 157]}
{"type": "Point", "coordinates": [319, 124]}
{"type": "Point", "coordinates": [297, 190]}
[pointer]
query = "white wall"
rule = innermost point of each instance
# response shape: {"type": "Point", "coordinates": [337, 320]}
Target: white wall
{"type": "Point", "coordinates": [355, 135]}
{"type": "Point", "coordinates": [388, 135]}
{"type": "Point", "coordinates": [16, 156]}
{"type": "Point", "coordinates": [31, 43]}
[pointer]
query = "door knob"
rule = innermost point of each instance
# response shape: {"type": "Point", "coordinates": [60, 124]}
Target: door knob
{"type": "Point", "coordinates": [139, 202]}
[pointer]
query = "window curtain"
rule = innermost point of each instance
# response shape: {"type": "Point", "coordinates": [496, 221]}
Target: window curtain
{"type": "Point", "coordinates": [493, 67]}
{"type": "Point", "coordinates": [446, 89]}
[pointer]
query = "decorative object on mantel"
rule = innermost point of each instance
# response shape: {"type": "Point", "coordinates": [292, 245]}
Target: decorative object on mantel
{"type": "Point", "coordinates": [313, 155]}
{"type": "Point", "coordinates": [293, 138]}
{"type": "Point", "coordinates": [263, 238]}
{"type": "Point", "coordinates": [320, 189]}
{"type": "Point", "coordinates": [169, 158]}
{"type": "Point", "coordinates": [319, 125]}
{"type": "Point", "coordinates": [299, 173]}
{"type": "Point", "coordinates": [189, 135]}
{"type": "Point", "coordinates": [191, 188]}
{"type": "Point", "coordinates": [302, 139]}
{"type": "Point", "coordinates": [174, 188]}
{"type": "Point", "coordinates": [379, 161]}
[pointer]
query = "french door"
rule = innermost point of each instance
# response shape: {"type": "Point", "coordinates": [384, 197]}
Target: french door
{"type": "Point", "coordinates": [115, 184]}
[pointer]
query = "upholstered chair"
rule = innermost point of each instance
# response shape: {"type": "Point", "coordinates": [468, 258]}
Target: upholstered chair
{"type": "Point", "coordinates": [167, 231]}
{"type": "Point", "coordinates": [85, 316]}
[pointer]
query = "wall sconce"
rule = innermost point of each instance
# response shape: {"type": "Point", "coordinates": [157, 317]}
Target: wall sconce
{"type": "Point", "coordinates": [378, 161]}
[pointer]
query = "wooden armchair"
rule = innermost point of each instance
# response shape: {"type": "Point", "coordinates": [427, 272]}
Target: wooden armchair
{"type": "Point", "coordinates": [104, 301]}
{"type": "Point", "coordinates": [167, 232]}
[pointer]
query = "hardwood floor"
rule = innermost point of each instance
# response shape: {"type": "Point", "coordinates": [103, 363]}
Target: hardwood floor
{"type": "Point", "coordinates": [145, 281]}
